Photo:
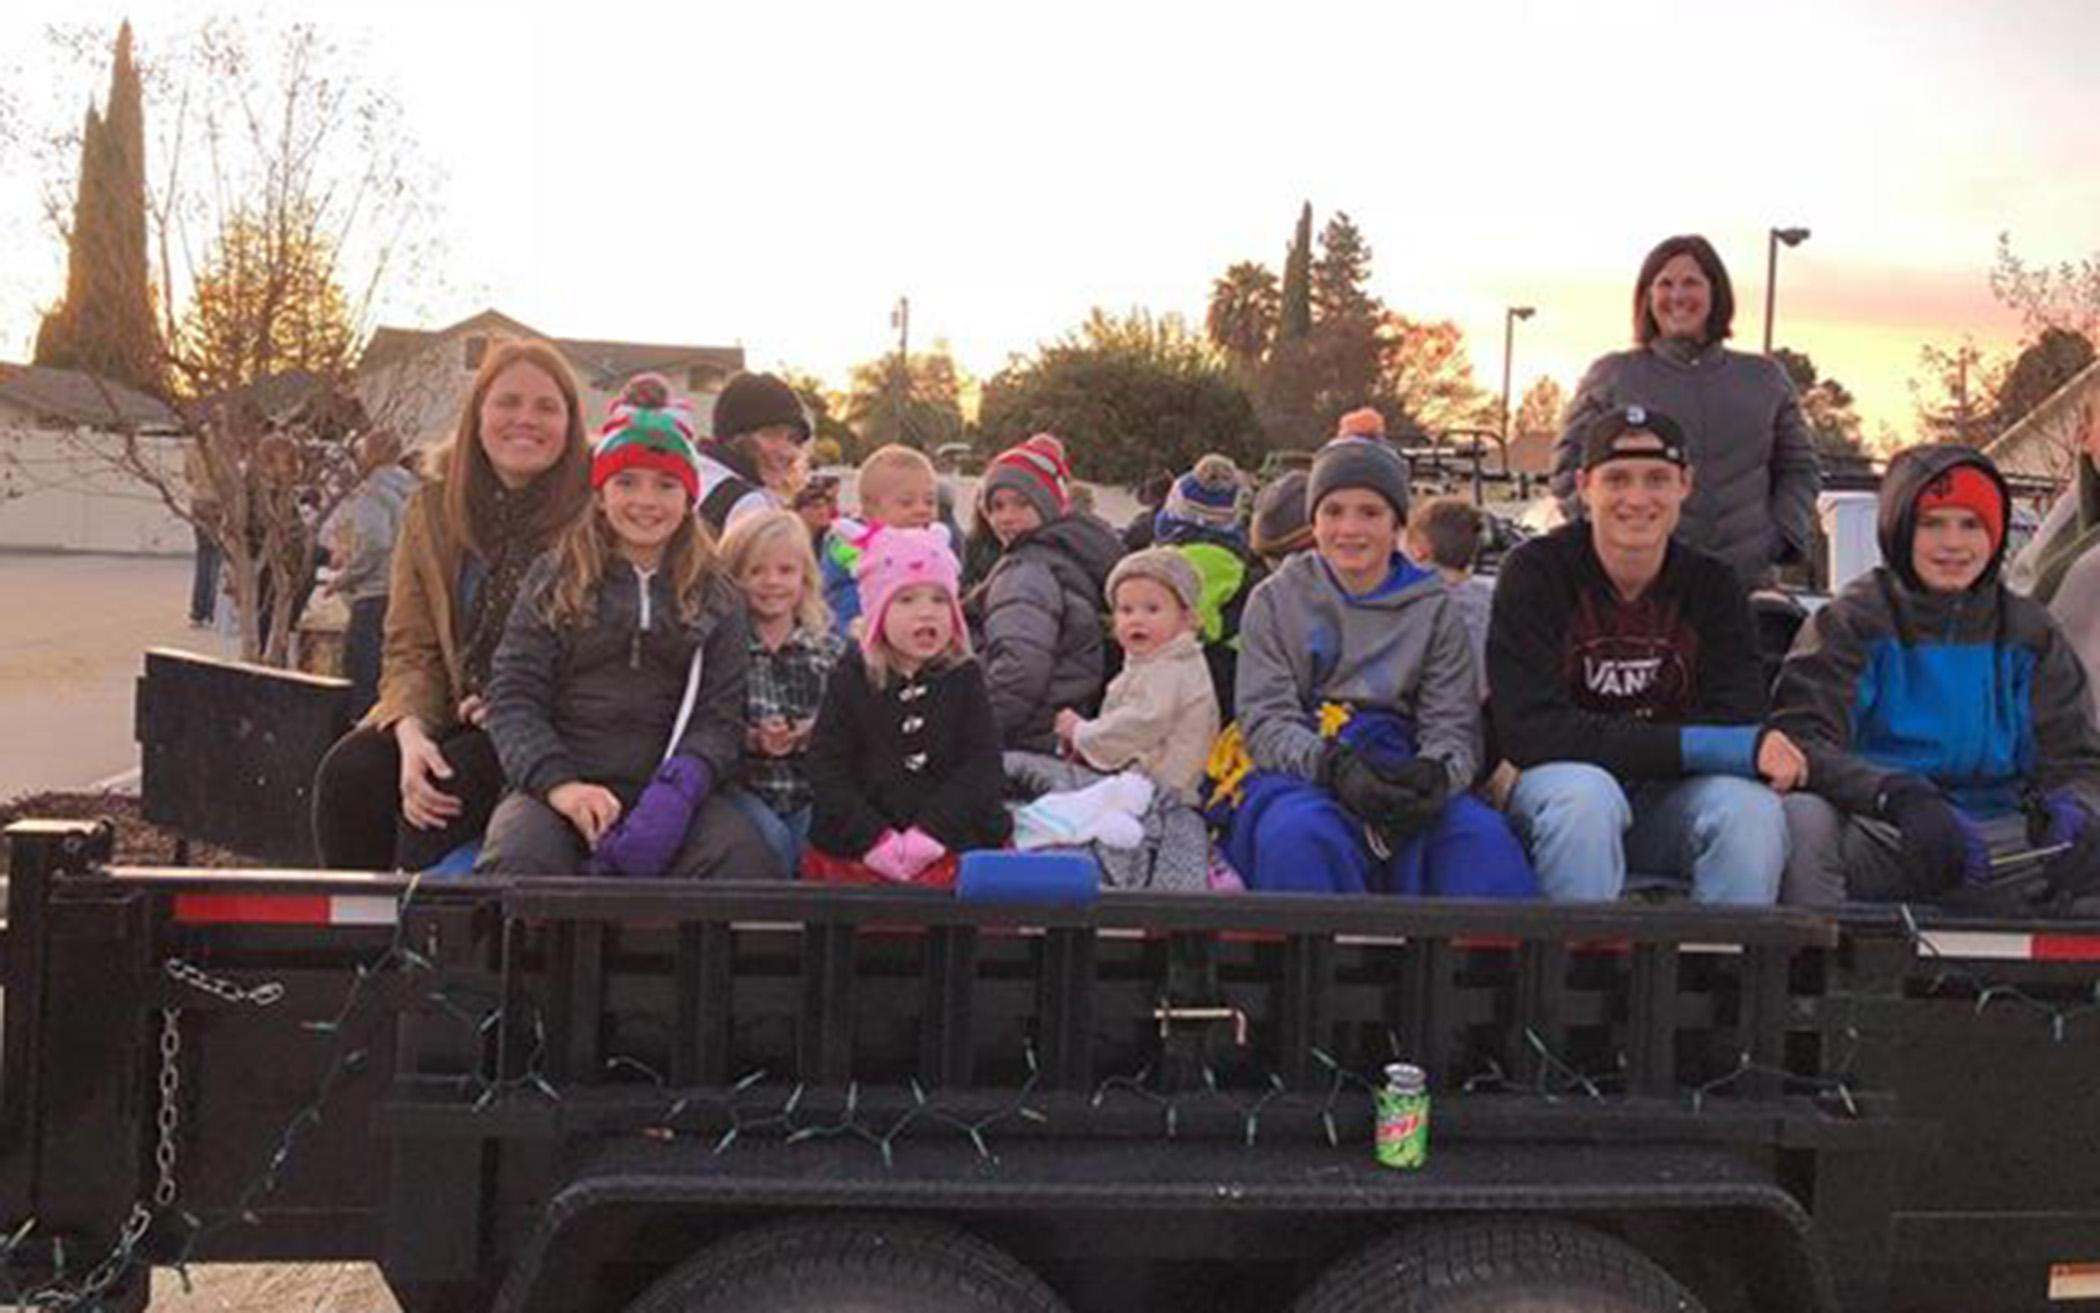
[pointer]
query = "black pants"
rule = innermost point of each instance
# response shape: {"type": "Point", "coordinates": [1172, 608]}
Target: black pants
{"type": "Point", "coordinates": [357, 801]}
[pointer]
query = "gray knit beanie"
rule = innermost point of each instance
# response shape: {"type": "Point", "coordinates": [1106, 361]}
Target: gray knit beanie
{"type": "Point", "coordinates": [1163, 566]}
{"type": "Point", "coordinates": [1281, 524]}
{"type": "Point", "coordinates": [1358, 463]}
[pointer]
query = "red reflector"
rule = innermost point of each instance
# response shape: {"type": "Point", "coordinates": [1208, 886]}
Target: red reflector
{"type": "Point", "coordinates": [252, 909]}
{"type": "Point", "coordinates": [2066, 948]}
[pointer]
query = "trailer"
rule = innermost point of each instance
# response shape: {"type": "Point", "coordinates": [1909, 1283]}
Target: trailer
{"type": "Point", "coordinates": [585, 1095]}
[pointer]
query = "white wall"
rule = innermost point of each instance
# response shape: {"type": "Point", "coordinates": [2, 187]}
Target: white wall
{"type": "Point", "coordinates": [56, 494]}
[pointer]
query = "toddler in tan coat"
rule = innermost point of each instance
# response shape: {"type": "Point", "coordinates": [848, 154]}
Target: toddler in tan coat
{"type": "Point", "coordinates": [1161, 712]}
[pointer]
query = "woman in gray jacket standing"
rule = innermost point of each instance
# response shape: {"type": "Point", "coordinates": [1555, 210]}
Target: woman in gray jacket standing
{"type": "Point", "coordinates": [1754, 469]}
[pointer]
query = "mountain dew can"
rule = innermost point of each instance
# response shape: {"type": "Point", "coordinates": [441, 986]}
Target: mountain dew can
{"type": "Point", "coordinates": [1403, 1118]}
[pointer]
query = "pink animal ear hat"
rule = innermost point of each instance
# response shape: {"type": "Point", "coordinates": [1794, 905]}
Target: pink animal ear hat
{"type": "Point", "coordinates": [896, 559]}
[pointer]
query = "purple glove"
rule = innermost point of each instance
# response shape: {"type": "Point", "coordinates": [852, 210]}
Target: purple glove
{"type": "Point", "coordinates": [2060, 818]}
{"type": "Point", "coordinates": [647, 838]}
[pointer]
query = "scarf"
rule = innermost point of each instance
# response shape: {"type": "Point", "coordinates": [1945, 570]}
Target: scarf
{"type": "Point", "coordinates": [510, 526]}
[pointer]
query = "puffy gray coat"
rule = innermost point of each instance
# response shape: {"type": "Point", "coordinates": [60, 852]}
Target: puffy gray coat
{"type": "Point", "coordinates": [1754, 472]}
{"type": "Point", "coordinates": [1038, 618]}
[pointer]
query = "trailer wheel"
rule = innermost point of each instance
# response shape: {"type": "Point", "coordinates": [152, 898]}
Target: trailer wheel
{"type": "Point", "coordinates": [1498, 1265]}
{"type": "Point", "coordinates": [851, 1265]}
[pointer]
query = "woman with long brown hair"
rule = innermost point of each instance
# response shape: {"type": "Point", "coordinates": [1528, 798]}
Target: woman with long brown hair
{"type": "Point", "coordinates": [418, 777]}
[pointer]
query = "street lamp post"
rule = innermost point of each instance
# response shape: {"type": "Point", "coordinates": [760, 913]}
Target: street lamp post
{"type": "Point", "coordinates": [1792, 237]}
{"type": "Point", "coordinates": [1510, 317]}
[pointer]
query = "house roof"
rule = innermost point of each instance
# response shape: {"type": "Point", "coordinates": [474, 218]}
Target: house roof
{"type": "Point", "coordinates": [2025, 446]}
{"type": "Point", "coordinates": [601, 364]}
{"type": "Point", "coordinates": [74, 397]}
{"type": "Point", "coordinates": [277, 395]}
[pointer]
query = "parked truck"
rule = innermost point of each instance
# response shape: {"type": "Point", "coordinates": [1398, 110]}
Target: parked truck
{"type": "Point", "coordinates": [584, 1096]}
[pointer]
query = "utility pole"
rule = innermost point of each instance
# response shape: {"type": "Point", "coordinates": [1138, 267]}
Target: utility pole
{"type": "Point", "coordinates": [1792, 237]}
{"type": "Point", "coordinates": [1510, 316]}
{"type": "Point", "coordinates": [900, 319]}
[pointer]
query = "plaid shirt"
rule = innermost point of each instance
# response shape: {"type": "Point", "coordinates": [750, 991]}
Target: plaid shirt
{"type": "Point", "coordinates": [788, 684]}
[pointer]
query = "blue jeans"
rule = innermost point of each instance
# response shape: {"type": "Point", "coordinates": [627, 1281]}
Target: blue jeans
{"type": "Point", "coordinates": [1727, 836]}
{"type": "Point", "coordinates": [785, 835]}
{"type": "Point", "coordinates": [364, 640]}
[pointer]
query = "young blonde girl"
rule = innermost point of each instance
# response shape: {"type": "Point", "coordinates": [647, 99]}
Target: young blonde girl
{"type": "Point", "coordinates": [617, 701]}
{"type": "Point", "coordinates": [904, 759]}
{"type": "Point", "coordinates": [792, 651]}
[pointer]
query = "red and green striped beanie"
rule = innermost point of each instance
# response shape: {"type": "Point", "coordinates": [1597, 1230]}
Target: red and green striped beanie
{"type": "Point", "coordinates": [648, 429]}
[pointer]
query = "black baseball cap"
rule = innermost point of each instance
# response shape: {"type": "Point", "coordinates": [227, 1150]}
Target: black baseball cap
{"type": "Point", "coordinates": [1606, 438]}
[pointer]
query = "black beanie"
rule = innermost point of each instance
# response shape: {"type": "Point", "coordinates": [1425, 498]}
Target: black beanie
{"type": "Point", "coordinates": [756, 401]}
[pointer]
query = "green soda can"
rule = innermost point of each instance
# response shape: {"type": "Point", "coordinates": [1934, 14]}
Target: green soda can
{"type": "Point", "coordinates": [1403, 1118]}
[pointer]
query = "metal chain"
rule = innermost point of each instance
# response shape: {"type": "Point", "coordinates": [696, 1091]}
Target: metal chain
{"type": "Point", "coordinates": [167, 1118]}
{"type": "Point", "coordinates": [219, 987]}
{"type": "Point", "coordinates": [166, 1121]}
{"type": "Point", "coordinates": [107, 1272]}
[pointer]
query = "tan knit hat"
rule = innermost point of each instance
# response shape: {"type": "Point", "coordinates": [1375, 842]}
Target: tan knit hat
{"type": "Point", "coordinates": [1163, 566]}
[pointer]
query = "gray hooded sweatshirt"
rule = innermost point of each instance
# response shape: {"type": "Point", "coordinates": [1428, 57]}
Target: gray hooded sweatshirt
{"type": "Point", "coordinates": [1303, 642]}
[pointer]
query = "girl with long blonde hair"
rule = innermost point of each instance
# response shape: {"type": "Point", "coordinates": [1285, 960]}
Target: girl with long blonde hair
{"type": "Point", "coordinates": [793, 649]}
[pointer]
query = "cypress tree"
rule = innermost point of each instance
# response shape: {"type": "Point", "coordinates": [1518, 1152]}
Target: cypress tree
{"type": "Point", "coordinates": [1294, 318]}
{"type": "Point", "coordinates": [105, 325]}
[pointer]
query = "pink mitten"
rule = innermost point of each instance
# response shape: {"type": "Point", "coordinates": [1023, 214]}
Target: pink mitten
{"type": "Point", "coordinates": [887, 857]}
{"type": "Point", "coordinates": [918, 850]}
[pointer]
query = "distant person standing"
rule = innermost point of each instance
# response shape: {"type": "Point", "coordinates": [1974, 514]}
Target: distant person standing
{"type": "Point", "coordinates": [204, 520]}
{"type": "Point", "coordinates": [367, 526]}
{"type": "Point", "coordinates": [1756, 493]}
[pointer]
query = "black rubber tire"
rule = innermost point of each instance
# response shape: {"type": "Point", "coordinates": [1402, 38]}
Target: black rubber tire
{"type": "Point", "coordinates": [850, 1264]}
{"type": "Point", "coordinates": [1498, 1265]}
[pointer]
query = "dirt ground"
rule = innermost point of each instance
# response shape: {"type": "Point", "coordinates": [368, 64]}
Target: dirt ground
{"type": "Point", "coordinates": [138, 844]}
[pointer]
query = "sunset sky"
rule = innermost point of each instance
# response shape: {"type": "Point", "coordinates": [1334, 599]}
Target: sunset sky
{"type": "Point", "coordinates": [777, 173]}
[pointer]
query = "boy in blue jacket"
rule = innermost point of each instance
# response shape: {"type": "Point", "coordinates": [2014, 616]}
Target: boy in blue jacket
{"type": "Point", "coordinates": [1945, 718]}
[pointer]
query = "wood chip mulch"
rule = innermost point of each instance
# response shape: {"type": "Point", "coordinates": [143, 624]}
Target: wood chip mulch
{"type": "Point", "coordinates": [138, 842]}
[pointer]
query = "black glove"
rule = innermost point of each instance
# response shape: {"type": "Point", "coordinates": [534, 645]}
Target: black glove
{"type": "Point", "coordinates": [1428, 787]}
{"type": "Point", "coordinates": [1365, 791]}
{"type": "Point", "coordinates": [1940, 849]}
{"type": "Point", "coordinates": [2072, 876]}
{"type": "Point", "coordinates": [1395, 803]}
